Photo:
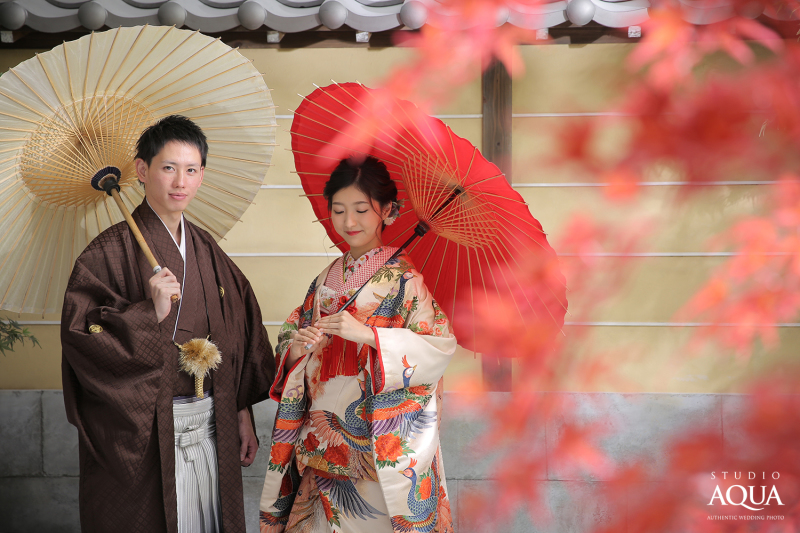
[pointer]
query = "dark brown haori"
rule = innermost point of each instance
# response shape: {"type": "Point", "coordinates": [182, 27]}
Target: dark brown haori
{"type": "Point", "coordinates": [120, 372]}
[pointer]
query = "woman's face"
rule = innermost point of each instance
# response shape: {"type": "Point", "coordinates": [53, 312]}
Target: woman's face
{"type": "Point", "coordinates": [357, 219]}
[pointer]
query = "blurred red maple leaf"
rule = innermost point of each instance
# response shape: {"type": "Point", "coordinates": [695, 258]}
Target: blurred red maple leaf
{"type": "Point", "coordinates": [759, 287]}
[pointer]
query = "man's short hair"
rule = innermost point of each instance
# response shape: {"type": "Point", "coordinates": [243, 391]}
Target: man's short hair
{"type": "Point", "coordinates": [172, 128]}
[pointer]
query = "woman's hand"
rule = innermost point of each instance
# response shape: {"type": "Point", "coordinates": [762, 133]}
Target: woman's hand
{"type": "Point", "coordinates": [303, 337]}
{"type": "Point", "coordinates": [347, 327]}
{"type": "Point", "coordinates": [247, 439]}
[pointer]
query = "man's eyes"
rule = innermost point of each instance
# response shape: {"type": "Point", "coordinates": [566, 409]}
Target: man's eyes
{"type": "Point", "coordinates": [193, 170]}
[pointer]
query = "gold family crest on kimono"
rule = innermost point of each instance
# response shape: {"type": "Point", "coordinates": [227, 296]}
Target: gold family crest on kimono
{"type": "Point", "coordinates": [361, 453]}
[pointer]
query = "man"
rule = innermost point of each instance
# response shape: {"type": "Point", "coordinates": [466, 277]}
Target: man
{"type": "Point", "coordinates": [153, 458]}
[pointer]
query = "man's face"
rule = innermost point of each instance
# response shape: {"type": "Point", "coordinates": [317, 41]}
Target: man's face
{"type": "Point", "coordinates": [172, 178]}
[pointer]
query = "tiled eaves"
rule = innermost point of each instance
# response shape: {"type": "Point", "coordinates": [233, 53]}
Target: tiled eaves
{"type": "Point", "coordinates": [293, 16]}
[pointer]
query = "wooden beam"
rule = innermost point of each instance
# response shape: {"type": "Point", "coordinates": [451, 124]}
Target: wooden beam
{"type": "Point", "coordinates": [496, 89]}
{"type": "Point", "coordinates": [323, 37]}
{"type": "Point", "coordinates": [319, 38]}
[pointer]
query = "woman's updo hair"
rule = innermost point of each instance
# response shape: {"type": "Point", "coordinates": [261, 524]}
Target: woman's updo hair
{"type": "Point", "coordinates": [368, 176]}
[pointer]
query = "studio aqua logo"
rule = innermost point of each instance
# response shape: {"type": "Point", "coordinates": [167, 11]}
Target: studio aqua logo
{"type": "Point", "coordinates": [755, 497]}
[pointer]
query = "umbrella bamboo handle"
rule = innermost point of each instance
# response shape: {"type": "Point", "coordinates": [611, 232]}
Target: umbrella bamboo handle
{"type": "Point", "coordinates": [139, 237]}
{"type": "Point", "coordinates": [136, 233]}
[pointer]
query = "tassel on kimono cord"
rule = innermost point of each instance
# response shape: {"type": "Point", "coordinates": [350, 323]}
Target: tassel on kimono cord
{"type": "Point", "coordinates": [339, 358]}
{"type": "Point", "coordinates": [199, 357]}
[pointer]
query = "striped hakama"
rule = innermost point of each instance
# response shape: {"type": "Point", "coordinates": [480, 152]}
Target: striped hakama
{"type": "Point", "coordinates": [196, 474]}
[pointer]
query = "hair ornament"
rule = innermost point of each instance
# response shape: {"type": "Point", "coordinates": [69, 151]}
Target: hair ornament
{"type": "Point", "coordinates": [394, 213]}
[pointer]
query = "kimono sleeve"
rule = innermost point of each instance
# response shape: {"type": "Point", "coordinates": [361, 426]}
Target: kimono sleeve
{"type": "Point", "coordinates": [299, 318]}
{"type": "Point", "coordinates": [112, 360]}
{"type": "Point", "coordinates": [282, 479]}
{"type": "Point", "coordinates": [425, 343]}
{"type": "Point", "coordinates": [258, 368]}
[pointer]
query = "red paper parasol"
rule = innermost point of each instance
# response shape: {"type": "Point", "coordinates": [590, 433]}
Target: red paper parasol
{"type": "Point", "coordinates": [481, 227]}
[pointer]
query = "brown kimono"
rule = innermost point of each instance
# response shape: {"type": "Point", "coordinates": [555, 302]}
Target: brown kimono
{"type": "Point", "coordinates": [120, 372]}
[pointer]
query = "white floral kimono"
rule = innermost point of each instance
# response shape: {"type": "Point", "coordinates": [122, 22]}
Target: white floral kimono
{"type": "Point", "coordinates": [356, 441]}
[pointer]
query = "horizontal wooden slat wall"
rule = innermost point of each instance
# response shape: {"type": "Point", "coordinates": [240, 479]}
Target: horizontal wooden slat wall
{"type": "Point", "coordinates": [636, 334]}
{"type": "Point", "coordinates": [280, 249]}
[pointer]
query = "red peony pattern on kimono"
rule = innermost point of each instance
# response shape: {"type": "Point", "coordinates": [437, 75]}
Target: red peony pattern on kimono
{"type": "Point", "coordinates": [388, 447]}
{"type": "Point", "coordinates": [425, 488]}
{"type": "Point", "coordinates": [294, 316]}
{"type": "Point", "coordinates": [281, 453]}
{"type": "Point", "coordinates": [338, 455]}
{"type": "Point", "coordinates": [311, 442]}
{"type": "Point", "coordinates": [420, 390]}
{"type": "Point", "coordinates": [326, 505]}
{"type": "Point", "coordinates": [395, 321]}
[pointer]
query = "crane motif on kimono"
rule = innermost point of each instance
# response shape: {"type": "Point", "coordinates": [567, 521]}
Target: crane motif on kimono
{"type": "Point", "coordinates": [401, 408]}
{"type": "Point", "coordinates": [423, 501]}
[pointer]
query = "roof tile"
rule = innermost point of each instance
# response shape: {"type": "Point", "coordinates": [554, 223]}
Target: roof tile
{"type": "Point", "coordinates": [291, 16]}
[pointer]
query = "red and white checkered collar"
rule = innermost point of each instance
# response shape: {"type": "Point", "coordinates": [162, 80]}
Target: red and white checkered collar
{"type": "Point", "coordinates": [366, 267]}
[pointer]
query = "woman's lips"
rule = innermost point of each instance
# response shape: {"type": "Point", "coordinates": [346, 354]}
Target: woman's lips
{"type": "Point", "coordinates": [351, 233]}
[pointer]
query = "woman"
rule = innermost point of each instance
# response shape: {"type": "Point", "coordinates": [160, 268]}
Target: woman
{"type": "Point", "coordinates": [356, 441]}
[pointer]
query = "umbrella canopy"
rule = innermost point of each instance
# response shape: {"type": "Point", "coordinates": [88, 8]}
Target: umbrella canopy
{"type": "Point", "coordinates": [79, 108]}
{"type": "Point", "coordinates": [481, 227]}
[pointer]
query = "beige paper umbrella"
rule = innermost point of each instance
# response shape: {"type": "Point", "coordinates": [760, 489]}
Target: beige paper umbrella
{"type": "Point", "coordinates": [69, 113]}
